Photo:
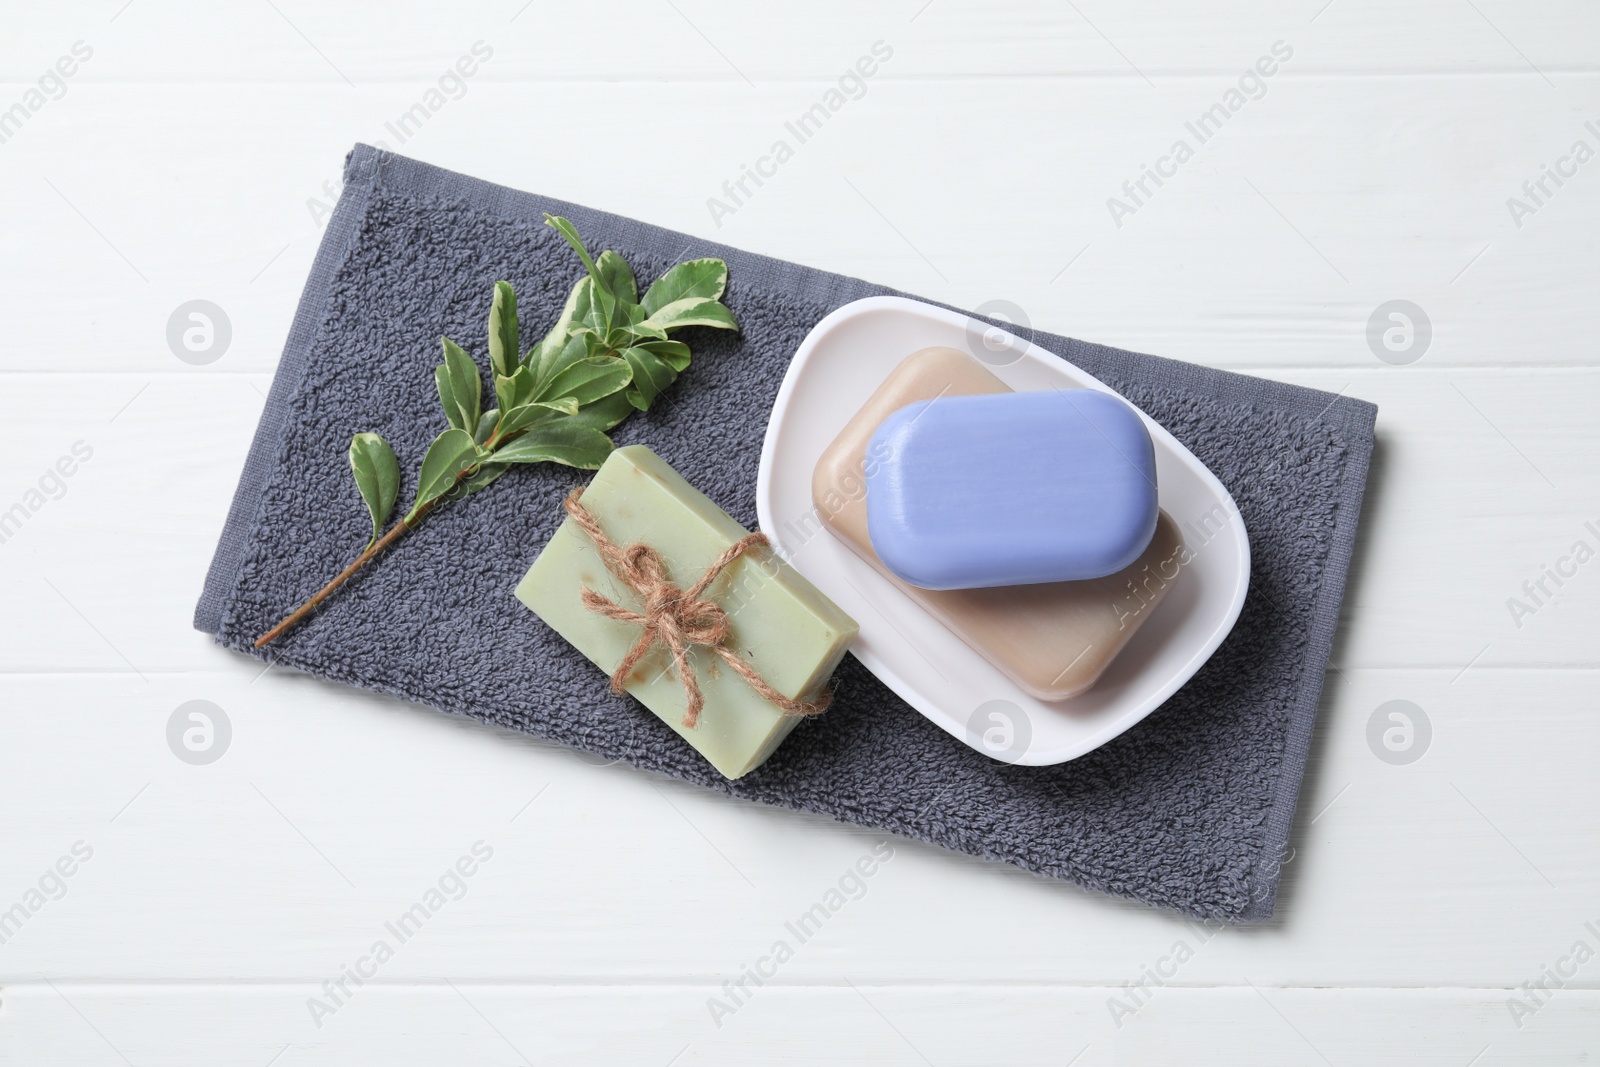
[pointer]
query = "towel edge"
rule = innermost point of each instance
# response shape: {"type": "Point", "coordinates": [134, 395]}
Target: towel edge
{"type": "Point", "coordinates": [366, 166]}
{"type": "Point", "coordinates": [1360, 421]}
{"type": "Point", "coordinates": [360, 176]}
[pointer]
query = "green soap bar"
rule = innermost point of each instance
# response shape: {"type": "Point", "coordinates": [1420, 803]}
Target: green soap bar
{"type": "Point", "coordinates": [780, 623]}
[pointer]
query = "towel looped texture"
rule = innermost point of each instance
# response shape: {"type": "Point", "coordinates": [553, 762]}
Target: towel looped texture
{"type": "Point", "coordinates": [1190, 810]}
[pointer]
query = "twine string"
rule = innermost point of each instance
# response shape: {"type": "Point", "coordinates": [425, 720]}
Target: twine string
{"type": "Point", "coordinates": [679, 619]}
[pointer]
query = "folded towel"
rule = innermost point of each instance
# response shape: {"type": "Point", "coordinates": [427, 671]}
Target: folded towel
{"type": "Point", "coordinates": [1189, 810]}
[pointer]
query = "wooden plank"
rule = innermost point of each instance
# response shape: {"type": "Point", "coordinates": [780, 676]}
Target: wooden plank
{"type": "Point", "coordinates": [332, 812]}
{"type": "Point", "coordinates": [454, 1021]}
{"type": "Point", "coordinates": [193, 156]}
{"type": "Point", "coordinates": [724, 42]}
{"type": "Point", "coordinates": [1272, 247]}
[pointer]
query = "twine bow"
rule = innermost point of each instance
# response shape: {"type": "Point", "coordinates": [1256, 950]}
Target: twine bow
{"type": "Point", "coordinates": [677, 618]}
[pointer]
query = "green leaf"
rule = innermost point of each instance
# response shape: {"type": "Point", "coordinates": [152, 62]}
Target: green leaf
{"type": "Point", "coordinates": [516, 390]}
{"type": "Point", "coordinates": [603, 414]}
{"type": "Point", "coordinates": [581, 345]}
{"type": "Point", "coordinates": [651, 375]}
{"type": "Point", "coordinates": [692, 311]}
{"type": "Point", "coordinates": [587, 310]}
{"type": "Point", "coordinates": [570, 232]}
{"type": "Point", "coordinates": [566, 405]}
{"type": "Point", "coordinates": [603, 300]}
{"type": "Point", "coordinates": [674, 354]}
{"type": "Point", "coordinates": [546, 350]}
{"type": "Point", "coordinates": [451, 453]}
{"type": "Point", "coordinates": [521, 418]}
{"type": "Point", "coordinates": [588, 316]}
{"type": "Point", "coordinates": [618, 277]}
{"type": "Point", "coordinates": [588, 380]}
{"type": "Point", "coordinates": [486, 425]}
{"type": "Point", "coordinates": [460, 387]}
{"type": "Point", "coordinates": [377, 476]}
{"type": "Point", "coordinates": [447, 396]}
{"type": "Point", "coordinates": [559, 442]}
{"type": "Point", "coordinates": [504, 345]}
{"type": "Point", "coordinates": [479, 481]}
{"type": "Point", "coordinates": [603, 310]}
{"type": "Point", "coordinates": [635, 327]}
{"type": "Point", "coordinates": [701, 279]}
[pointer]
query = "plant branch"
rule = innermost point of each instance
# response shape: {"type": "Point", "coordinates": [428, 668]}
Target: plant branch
{"type": "Point", "coordinates": [679, 297]}
{"type": "Point", "coordinates": [396, 531]}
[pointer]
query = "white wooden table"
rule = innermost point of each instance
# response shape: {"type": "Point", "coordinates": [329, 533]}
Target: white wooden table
{"type": "Point", "coordinates": [191, 155]}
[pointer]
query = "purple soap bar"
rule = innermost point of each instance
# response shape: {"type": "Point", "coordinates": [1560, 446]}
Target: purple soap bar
{"type": "Point", "coordinates": [1011, 489]}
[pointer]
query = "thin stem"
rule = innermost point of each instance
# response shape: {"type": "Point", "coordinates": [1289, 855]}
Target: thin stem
{"type": "Point", "coordinates": [395, 533]}
{"type": "Point", "coordinates": [399, 529]}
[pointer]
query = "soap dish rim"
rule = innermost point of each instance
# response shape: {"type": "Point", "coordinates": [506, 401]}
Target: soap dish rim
{"type": "Point", "coordinates": [913, 693]}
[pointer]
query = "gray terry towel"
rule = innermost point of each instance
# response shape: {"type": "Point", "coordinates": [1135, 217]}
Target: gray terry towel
{"type": "Point", "coordinates": [1190, 810]}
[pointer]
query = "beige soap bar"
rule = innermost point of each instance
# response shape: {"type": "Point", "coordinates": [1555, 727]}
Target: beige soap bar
{"type": "Point", "coordinates": [1053, 640]}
